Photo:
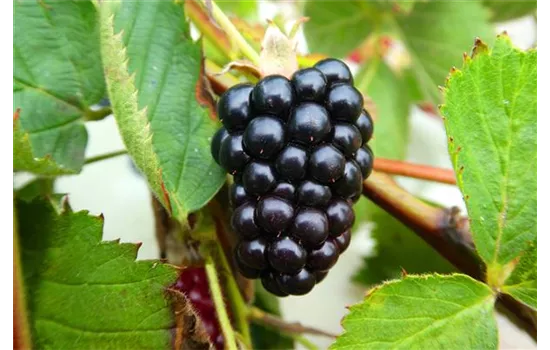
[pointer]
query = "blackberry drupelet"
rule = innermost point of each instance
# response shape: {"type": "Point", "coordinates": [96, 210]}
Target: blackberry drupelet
{"type": "Point", "coordinates": [298, 152]}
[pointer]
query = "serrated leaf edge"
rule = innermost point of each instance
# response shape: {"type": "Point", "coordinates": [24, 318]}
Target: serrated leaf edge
{"type": "Point", "coordinates": [374, 289]}
{"type": "Point", "coordinates": [115, 63]}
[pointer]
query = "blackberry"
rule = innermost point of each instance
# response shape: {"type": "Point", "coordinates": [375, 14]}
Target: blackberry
{"type": "Point", "coordinates": [298, 152]}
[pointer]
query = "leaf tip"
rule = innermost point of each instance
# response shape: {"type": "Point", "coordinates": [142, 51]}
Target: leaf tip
{"type": "Point", "coordinates": [480, 47]}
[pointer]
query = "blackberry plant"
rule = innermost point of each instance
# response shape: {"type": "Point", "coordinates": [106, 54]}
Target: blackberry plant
{"type": "Point", "coordinates": [257, 149]}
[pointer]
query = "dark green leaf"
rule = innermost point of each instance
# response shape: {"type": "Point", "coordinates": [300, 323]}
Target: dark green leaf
{"type": "Point", "coordinates": [165, 128]}
{"type": "Point", "coordinates": [266, 338]}
{"type": "Point", "coordinates": [436, 33]}
{"type": "Point", "coordinates": [397, 249]}
{"type": "Point", "coordinates": [83, 293]}
{"type": "Point", "coordinates": [423, 312]}
{"type": "Point", "coordinates": [491, 120]}
{"type": "Point", "coordinates": [510, 9]}
{"type": "Point", "coordinates": [57, 76]}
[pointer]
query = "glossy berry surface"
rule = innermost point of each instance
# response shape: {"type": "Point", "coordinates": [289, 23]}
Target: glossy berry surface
{"type": "Point", "coordinates": [335, 71]}
{"type": "Point", "coordinates": [309, 124]}
{"type": "Point", "coordinates": [286, 255]}
{"type": "Point", "coordinates": [347, 138]}
{"type": "Point", "coordinates": [313, 194]}
{"type": "Point", "coordinates": [274, 214]}
{"type": "Point", "coordinates": [298, 152]}
{"type": "Point", "coordinates": [344, 102]}
{"type": "Point", "coordinates": [233, 158]}
{"type": "Point", "coordinates": [365, 159]}
{"type": "Point", "coordinates": [193, 283]}
{"type": "Point", "coordinates": [264, 137]}
{"type": "Point", "coordinates": [273, 95]}
{"type": "Point", "coordinates": [297, 284]}
{"type": "Point", "coordinates": [217, 140]}
{"type": "Point", "coordinates": [310, 227]}
{"type": "Point", "coordinates": [234, 107]}
{"type": "Point", "coordinates": [326, 164]}
{"type": "Point", "coordinates": [310, 85]}
{"type": "Point", "coordinates": [365, 125]}
{"type": "Point", "coordinates": [291, 163]}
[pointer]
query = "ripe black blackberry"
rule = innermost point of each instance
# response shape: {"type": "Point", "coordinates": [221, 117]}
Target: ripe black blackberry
{"type": "Point", "coordinates": [298, 151]}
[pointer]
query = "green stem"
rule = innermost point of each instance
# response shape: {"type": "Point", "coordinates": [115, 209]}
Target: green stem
{"type": "Point", "coordinates": [100, 114]}
{"type": "Point", "coordinates": [239, 307]}
{"type": "Point", "coordinates": [105, 156]}
{"type": "Point", "coordinates": [232, 32]}
{"type": "Point", "coordinates": [304, 341]}
{"type": "Point", "coordinates": [217, 296]}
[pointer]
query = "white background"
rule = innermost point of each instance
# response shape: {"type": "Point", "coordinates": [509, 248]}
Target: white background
{"type": "Point", "coordinates": [112, 188]}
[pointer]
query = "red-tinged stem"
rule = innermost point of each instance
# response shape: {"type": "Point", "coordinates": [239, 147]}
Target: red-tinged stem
{"type": "Point", "coordinates": [21, 330]}
{"type": "Point", "coordinates": [417, 171]}
{"type": "Point", "coordinates": [447, 232]}
{"type": "Point", "coordinates": [207, 27]}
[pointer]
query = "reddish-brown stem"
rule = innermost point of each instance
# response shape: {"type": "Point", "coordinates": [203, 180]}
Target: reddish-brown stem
{"type": "Point", "coordinates": [417, 171]}
{"type": "Point", "coordinates": [21, 333]}
{"type": "Point", "coordinates": [446, 231]}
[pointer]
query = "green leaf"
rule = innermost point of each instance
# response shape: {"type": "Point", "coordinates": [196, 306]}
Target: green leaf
{"type": "Point", "coordinates": [397, 6]}
{"type": "Point", "coordinates": [491, 121]}
{"type": "Point", "coordinates": [511, 9]}
{"type": "Point", "coordinates": [423, 312]}
{"type": "Point", "coordinates": [42, 186]}
{"type": "Point", "coordinates": [436, 33]}
{"type": "Point", "coordinates": [153, 76]}
{"type": "Point", "coordinates": [57, 76]}
{"type": "Point", "coordinates": [83, 293]}
{"type": "Point", "coordinates": [266, 338]}
{"type": "Point", "coordinates": [330, 26]}
{"type": "Point", "coordinates": [25, 160]}
{"type": "Point", "coordinates": [522, 283]}
{"type": "Point", "coordinates": [243, 9]}
{"type": "Point", "coordinates": [397, 249]}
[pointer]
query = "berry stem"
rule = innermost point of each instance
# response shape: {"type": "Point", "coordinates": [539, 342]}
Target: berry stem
{"type": "Point", "coordinates": [211, 32]}
{"type": "Point", "coordinates": [231, 31]}
{"type": "Point", "coordinates": [105, 156]}
{"type": "Point", "coordinates": [217, 297]}
{"type": "Point", "coordinates": [417, 171]}
{"type": "Point", "coordinates": [446, 231]}
{"type": "Point", "coordinates": [219, 83]}
{"type": "Point", "coordinates": [261, 317]}
{"type": "Point", "coordinates": [239, 307]}
{"type": "Point", "coordinates": [21, 330]}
